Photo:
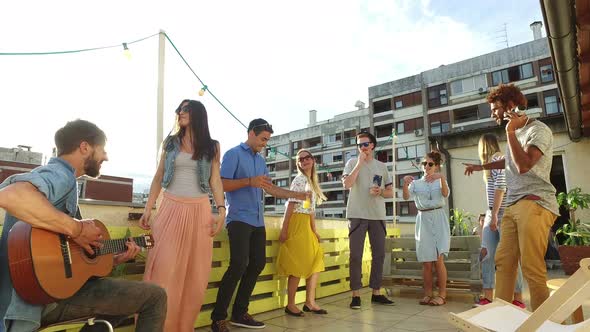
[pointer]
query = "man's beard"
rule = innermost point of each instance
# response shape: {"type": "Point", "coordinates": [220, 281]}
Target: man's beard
{"type": "Point", "coordinates": [91, 167]}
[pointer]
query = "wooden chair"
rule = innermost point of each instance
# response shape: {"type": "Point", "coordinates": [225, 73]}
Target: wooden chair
{"type": "Point", "coordinates": [503, 316]}
{"type": "Point", "coordinates": [75, 323]}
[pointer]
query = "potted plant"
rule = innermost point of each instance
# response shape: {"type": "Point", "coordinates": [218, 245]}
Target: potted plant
{"type": "Point", "coordinates": [461, 222]}
{"type": "Point", "coordinates": [575, 235]}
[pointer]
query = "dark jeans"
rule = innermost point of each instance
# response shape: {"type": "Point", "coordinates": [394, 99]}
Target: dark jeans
{"type": "Point", "coordinates": [247, 246]}
{"type": "Point", "coordinates": [356, 236]}
{"type": "Point", "coordinates": [113, 300]}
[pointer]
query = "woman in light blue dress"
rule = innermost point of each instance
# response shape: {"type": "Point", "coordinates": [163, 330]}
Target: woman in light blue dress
{"type": "Point", "coordinates": [433, 236]}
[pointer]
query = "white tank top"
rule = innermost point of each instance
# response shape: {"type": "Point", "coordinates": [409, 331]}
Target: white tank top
{"type": "Point", "coordinates": [185, 181]}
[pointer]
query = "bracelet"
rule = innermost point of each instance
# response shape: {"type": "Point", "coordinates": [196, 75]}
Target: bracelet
{"type": "Point", "coordinates": [80, 232]}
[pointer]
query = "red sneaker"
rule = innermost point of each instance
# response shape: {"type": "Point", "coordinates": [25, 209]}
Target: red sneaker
{"type": "Point", "coordinates": [519, 304]}
{"type": "Point", "coordinates": [482, 301]}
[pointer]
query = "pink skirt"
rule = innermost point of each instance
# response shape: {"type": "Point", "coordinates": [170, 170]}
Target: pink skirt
{"type": "Point", "coordinates": [180, 261]}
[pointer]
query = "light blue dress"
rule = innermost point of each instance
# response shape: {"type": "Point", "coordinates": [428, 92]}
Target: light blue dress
{"type": "Point", "coordinates": [433, 234]}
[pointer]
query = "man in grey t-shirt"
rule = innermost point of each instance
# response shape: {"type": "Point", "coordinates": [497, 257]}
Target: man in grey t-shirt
{"type": "Point", "coordinates": [369, 183]}
{"type": "Point", "coordinates": [532, 207]}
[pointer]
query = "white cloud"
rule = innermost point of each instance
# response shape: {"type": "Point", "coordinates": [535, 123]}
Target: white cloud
{"type": "Point", "coordinates": [268, 59]}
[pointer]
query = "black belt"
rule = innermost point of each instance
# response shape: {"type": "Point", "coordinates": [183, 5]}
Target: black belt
{"type": "Point", "coordinates": [430, 209]}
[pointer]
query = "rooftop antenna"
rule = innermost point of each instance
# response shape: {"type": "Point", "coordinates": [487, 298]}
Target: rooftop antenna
{"type": "Point", "coordinates": [502, 36]}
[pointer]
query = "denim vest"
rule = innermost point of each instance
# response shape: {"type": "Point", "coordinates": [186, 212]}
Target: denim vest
{"type": "Point", "coordinates": [172, 148]}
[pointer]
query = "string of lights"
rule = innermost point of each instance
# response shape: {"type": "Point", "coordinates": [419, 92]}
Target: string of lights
{"type": "Point", "coordinates": [124, 45]}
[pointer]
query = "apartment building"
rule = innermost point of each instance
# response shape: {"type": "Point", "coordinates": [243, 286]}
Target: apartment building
{"type": "Point", "coordinates": [445, 108]}
{"type": "Point", "coordinates": [442, 108]}
{"type": "Point", "coordinates": [332, 142]}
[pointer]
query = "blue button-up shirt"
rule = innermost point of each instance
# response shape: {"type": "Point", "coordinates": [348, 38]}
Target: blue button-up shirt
{"type": "Point", "coordinates": [245, 204]}
{"type": "Point", "coordinates": [57, 182]}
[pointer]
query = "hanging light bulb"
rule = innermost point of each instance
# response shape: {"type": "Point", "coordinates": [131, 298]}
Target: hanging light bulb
{"type": "Point", "coordinates": [202, 91]}
{"type": "Point", "coordinates": [126, 51]}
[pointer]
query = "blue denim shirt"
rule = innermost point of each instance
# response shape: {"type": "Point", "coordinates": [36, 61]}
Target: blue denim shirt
{"type": "Point", "coordinates": [244, 204]}
{"type": "Point", "coordinates": [172, 148]}
{"type": "Point", "coordinates": [427, 195]}
{"type": "Point", "coordinates": [57, 182]}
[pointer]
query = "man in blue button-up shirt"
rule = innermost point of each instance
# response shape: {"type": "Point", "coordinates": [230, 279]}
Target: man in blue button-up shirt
{"type": "Point", "coordinates": [47, 198]}
{"type": "Point", "coordinates": [245, 176]}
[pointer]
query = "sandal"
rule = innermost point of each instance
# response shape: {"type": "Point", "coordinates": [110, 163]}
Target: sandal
{"type": "Point", "coordinates": [426, 300]}
{"type": "Point", "coordinates": [435, 302]}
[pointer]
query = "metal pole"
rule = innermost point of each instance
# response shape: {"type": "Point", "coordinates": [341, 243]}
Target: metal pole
{"type": "Point", "coordinates": [394, 176]}
{"type": "Point", "coordinates": [160, 105]}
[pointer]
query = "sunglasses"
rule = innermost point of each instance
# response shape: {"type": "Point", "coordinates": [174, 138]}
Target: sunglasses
{"type": "Point", "coordinates": [185, 109]}
{"type": "Point", "coordinates": [304, 159]}
{"type": "Point", "coordinates": [430, 164]}
{"type": "Point", "coordinates": [265, 127]}
{"type": "Point", "coordinates": [363, 145]}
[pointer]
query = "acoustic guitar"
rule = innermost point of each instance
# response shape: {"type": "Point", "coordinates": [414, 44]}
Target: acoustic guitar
{"type": "Point", "coordinates": [47, 266]}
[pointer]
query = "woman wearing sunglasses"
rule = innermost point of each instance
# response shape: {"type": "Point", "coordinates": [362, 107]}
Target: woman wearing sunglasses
{"type": "Point", "coordinates": [433, 236]}
{"type": "Point", "coordinates": [183, 229]}
{"type": "Point", "coordinates": [495, 180]}
{"type": "Point", "coordinates": [300, 254]}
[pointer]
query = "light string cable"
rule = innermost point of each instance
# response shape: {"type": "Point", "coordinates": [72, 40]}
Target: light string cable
{"type": "Point", "coordinates": [205, 87]}
{"type": "Point", "coordinates": [79, 50]}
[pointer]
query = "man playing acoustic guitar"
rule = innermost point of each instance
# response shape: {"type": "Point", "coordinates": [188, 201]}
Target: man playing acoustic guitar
{"type": "Point", "coordinates": [47, 198]}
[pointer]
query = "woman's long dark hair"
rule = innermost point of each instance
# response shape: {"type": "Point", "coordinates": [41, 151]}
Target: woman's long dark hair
{"type": "Point", "coordinates": [203, 145]}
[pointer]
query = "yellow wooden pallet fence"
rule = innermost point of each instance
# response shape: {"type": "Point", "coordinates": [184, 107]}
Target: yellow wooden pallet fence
{"type": "Point", "coordinates": [270, 290]}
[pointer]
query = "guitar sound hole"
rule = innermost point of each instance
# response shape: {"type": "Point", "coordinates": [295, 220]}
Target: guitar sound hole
{"type": "Point", "coordinates": [93, 256]}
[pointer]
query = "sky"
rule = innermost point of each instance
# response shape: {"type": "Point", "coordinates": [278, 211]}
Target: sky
{"type": "Point", "coordinates": [271, 59]}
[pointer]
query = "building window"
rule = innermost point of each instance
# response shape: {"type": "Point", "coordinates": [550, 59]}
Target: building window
{"type": "Point", "coordinates": [474, 83]}
{"type": "Point", "coordinates": [80, 189]}
{"type": "Point", "coordinates": [283, 149]}
{"type": "Point", "coordinates": [282, 183]}
{"type": "Point", "coordinates": [404, 208]}
{"type": "Point", "coordinates": [382, 106]}
{"type": "Point", "coordinates": [281, 201]}
{"type": "Point", "coordinates": [512, 74]}
{"type": "Point", "coordinates": [384, 156]}
{"type": "Point", "coordinates": [332, 157]}
{"type": "Point", "coordinates": [333, 138]}
{"type": "Point", "coordinates": [553, 105]}
{"type": "Point", "coordinates": [439, 123]}
{"type": "Point", "coordinates": [411, 152]}
{"type": "Point", "coordinates": [437, 96]}
{"type": "Point", "coordinates": [383, 130]}
{"type": "Point", "coordinates": [350, 154]}
{"type": "Point", "coordinates": [546, 73]}
{"type": "Point", "coordinates": [407, 100]}
{"type": "Point", "coordinates": [526, 71]}
{"type": "Point", "coordinates": [399, 128]}
{"type": "Point", "coordinates": [295, 146]}
{"type": "Point", "coordinates": [402, 153]}
{"type": "Point", "coordinates": [466, 114]}
{"type": "Point", "coordinates": [532, 100]}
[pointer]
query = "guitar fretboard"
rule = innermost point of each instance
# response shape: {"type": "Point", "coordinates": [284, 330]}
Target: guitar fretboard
{"type": "Point", "coordinates": [118, 246]}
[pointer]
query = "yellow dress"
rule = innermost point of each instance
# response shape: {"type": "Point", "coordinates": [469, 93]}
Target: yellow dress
{"type": "Point", "coordinates": [301, 255]}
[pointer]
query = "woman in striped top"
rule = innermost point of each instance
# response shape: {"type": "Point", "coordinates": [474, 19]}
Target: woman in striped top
{"type": "Point", "coordinates": [489, 151]}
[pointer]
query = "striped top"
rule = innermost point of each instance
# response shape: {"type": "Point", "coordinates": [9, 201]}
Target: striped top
{"type": "Point", "coordinates": [496, 181]}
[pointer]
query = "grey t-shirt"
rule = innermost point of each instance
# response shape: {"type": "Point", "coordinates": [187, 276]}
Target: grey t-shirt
{"type": "Point", "coordinates": [537, 180]}
{"type": "Point", "coordinates": [361, 204]}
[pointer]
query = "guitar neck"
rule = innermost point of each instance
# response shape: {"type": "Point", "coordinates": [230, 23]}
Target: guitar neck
{"type": "Point", "coordinates": [118, 245]}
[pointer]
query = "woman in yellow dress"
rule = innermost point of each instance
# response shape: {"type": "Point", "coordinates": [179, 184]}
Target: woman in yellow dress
{"type": "Point", "coordinates": [300, 254]}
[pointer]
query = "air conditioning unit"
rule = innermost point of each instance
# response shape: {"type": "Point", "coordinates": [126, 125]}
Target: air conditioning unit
{"type": "Point", "coordinates": [418, 132]}
{"type": "Point", "coordinates": [482, 90]}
